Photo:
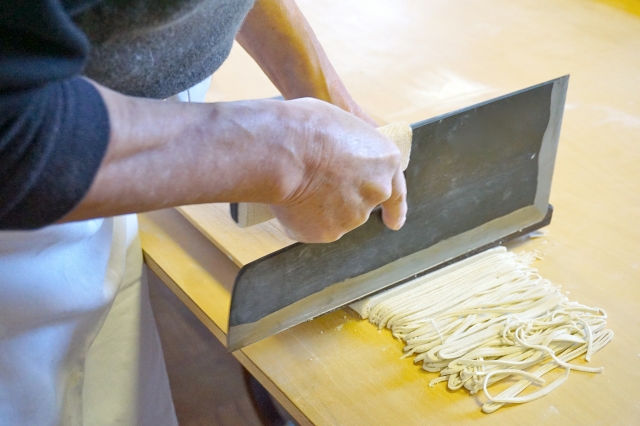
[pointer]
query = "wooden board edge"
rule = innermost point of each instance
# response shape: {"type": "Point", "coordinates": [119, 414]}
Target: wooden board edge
{"type": "Point", "coordinates": [204, 232]}
{"type": "Point", "coordinates": [246, 362]}
{"type": "Point", "coordinates": [272, 389]}
{"type": "Point", "coordinates": [184, 298]}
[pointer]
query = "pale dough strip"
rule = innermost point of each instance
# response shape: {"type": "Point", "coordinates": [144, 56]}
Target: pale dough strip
{"type": "Point", "coordinates": [486, 318]}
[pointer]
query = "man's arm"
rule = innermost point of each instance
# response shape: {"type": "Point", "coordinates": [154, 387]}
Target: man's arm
{"type": "Point", "coordinates": [322, 169]}
{"type": "Point", "coordinates": [325, 181]}
{"type": "Point", "coordinates": [279, 38]}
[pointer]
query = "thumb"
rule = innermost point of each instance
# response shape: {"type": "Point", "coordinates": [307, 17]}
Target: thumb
{"type": "Point", "coordinates": [394, 210]}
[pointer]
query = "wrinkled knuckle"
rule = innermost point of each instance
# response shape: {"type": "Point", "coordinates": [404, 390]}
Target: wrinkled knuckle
{"type": "Point", "coordinates": [372, 192]}
{"type": "Point", "coordinates": [387, 192]}
{"type": "Point", "coordinates": [330, 237]}
{"type": "Point", "coordinates": [358, 219]}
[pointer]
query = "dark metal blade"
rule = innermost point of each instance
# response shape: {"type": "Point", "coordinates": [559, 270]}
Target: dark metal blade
{"type": "Point", "coordinates": [476, 177]}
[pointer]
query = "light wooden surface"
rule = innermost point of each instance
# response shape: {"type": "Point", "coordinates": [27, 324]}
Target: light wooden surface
{"type": "Point", "coordinates": [408, 60]}
{"type": "Point", "coordinates": [242, 245]}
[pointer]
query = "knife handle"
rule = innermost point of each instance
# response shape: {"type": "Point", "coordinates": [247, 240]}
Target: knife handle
{"type": "Point", "coordinates": [249, 214]}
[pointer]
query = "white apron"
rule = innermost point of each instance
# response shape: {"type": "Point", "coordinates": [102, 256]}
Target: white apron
{"type": "Point", "coordinates": [78, 341]}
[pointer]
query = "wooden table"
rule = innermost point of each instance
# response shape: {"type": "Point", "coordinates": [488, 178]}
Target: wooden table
{"type": "Point", "coordinates": [413, 59]}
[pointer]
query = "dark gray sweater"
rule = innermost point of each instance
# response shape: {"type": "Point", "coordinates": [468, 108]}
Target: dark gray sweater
{"type": "Point", "coordinates": [54, 126]}
{"type": "Point", "coordinates": [157, 48]}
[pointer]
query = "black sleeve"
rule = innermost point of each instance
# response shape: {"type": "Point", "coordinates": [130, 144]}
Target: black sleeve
{"type": "Point", "coordinates": [54, 126]}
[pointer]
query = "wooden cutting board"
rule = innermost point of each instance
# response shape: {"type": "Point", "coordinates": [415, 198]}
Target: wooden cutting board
{"type": "Point", "coordinates": [338, 369]}
{"type": "Point", "coordinates": [242, 245]}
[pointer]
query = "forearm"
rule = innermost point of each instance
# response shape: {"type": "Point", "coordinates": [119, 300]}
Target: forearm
{"type": "Point", "coordinates": [165, 154]}
{"type": "Point", "coordinates": [320, 169]}
{"type": "Point", "coordinates": [281, 41]}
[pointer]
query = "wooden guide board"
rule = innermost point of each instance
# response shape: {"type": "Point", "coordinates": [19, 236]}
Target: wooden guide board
{"type": "Point", "coordinates": [338, 369]}
{"type": "Point", "coordinates": [242, 245]}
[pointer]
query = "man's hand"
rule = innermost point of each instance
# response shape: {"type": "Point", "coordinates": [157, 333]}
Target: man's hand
{"type": "Point", "coordinates": [350, 168]}
{"type": "Point", "coordinates": [281, 41]}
